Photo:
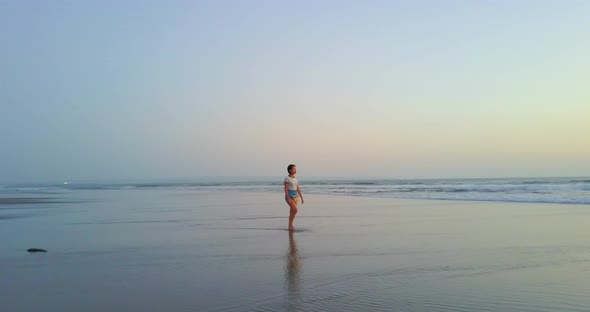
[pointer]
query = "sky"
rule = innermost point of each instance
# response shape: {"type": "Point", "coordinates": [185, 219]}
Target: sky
{"type": "Point", "coordinates": [124, 90]}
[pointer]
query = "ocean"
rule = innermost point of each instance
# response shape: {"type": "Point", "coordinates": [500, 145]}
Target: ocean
{"type": "Point", "coordinates": [560, 190]}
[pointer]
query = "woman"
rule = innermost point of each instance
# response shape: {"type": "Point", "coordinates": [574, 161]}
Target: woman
{"type": "Point", "coordinates": [292, 194]}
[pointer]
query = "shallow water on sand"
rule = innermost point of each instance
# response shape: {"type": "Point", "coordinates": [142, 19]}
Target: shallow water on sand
{"type": "Point", "coordinates": [184, 250]}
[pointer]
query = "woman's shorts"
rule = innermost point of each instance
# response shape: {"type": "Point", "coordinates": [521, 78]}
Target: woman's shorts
{"type": "Point", "coordinates": [296, 198]}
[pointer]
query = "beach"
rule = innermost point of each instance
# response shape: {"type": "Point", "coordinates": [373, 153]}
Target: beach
{"type": "Point", "coordinates": [179, 249]}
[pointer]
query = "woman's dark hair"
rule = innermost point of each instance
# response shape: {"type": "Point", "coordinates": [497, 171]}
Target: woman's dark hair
{"type": "Point", "coordinates": [290, 167]}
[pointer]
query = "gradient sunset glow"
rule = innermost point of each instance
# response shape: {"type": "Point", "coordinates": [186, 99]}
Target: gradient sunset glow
{"type": "Point", "coordinates": [392, 89]}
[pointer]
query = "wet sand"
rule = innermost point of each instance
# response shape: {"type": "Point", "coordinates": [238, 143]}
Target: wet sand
{"type": "Point", "coordinates": [183, 250]}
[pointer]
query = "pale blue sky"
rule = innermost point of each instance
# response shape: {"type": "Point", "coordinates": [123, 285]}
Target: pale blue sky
{"type": "Point", "coordinates": [110, 90]}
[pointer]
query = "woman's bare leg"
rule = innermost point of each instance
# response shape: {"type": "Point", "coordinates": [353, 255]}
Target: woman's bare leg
{"type": "Point", "coordinates": [292, 213]}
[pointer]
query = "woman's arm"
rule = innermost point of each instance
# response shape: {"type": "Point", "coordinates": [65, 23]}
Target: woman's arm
{"type": "Point", "coordinates": [287, 197]}
{"type": "Point", "coordinates": [300, 195]}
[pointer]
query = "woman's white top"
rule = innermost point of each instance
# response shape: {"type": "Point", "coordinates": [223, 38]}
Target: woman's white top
{"type": "Point", "coordinates": [293, 183]}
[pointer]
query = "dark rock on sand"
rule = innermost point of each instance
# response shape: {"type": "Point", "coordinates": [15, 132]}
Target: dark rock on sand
{"type": "Point", "coordinates": [36, 250]}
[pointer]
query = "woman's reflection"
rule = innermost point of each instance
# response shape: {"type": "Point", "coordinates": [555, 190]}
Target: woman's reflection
{"type": "Point", "coordinates": [293, 274]}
